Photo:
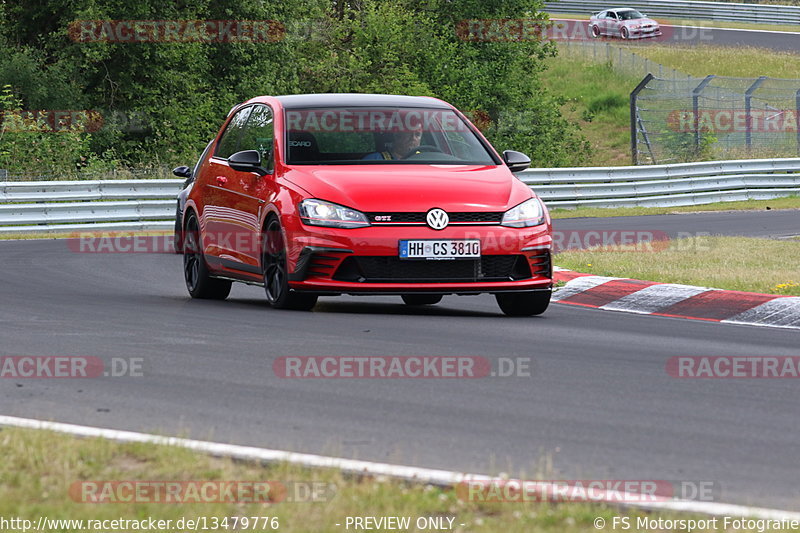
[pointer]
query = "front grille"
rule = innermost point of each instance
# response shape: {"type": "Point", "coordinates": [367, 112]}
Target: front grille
{"type": "Point", "coordinates": [389, 269]}
{"type": "Point", "coordinates": [542, 265]}
{"type": "Point", "coordinates": [316, 261]}
{"type": "Point", "coordinates": [321, 265]}
{"type": "Point", "coordinates": [485, 217]}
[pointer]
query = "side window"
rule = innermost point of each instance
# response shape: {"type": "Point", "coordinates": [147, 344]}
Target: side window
{"type": "Point", "coordinates": [229, 143]}
{"type": "Point", "coordinates": [612, 15]}
{"type": "Point", "coordinates": [259, 134]}
{"type": "Point", "coordinates": [200, 161]}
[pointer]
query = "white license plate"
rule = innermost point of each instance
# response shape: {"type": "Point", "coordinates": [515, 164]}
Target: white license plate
{"type": "Point", "coordinates": [440, 249]}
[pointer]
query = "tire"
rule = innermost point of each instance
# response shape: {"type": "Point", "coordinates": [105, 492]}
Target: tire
{"type": "Point", "coordinates": [276, 276]}
{"type": "Point", "coordinates": [198, 279]}
{"type": "Point", "coordinates": [523, 303]}
{"type": "Point", "coordinates": [596, 31]}
{"type": "Point", "coordinates": [623, 33]}
{"type": "Point", "coordinates": [422, 299]}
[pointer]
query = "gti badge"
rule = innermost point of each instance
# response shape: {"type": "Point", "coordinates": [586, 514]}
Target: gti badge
{"type": "Point", "coordinates": [437, 218]}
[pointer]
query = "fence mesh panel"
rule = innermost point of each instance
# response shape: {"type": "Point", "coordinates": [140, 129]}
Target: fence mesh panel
{"type": "Point", "coordinates": [715, 118]}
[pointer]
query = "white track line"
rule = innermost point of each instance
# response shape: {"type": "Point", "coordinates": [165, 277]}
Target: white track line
{"type": "Point", "coordinates": [441, 478]}
{"type": "Point", "coordinates": [748, 30]}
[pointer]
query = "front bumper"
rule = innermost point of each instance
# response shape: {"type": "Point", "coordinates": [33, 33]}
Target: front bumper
{"type": "Point", "coordinates": [365, 261]}
{"type": "Point", "coordinates": [642, 33]}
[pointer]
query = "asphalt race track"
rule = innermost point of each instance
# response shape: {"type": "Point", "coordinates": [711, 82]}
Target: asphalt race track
{"type": "Point", "coordinates": [598, 405]}
{"type": "Point", "coordinates": [577, 30]}
{"type": "Point", "coordinates": [774, 224]}
{"type": "Point", "coordinates": [781, 41]}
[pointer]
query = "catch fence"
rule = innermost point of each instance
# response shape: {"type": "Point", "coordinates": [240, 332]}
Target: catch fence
{"type": "Point", "coordinates": [681, 119]}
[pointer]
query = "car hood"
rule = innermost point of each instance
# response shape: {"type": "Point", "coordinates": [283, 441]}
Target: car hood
{"type": "Point", "coordinates": [413, 188]}
{"type": "Point", "coordinates": [640, 22]}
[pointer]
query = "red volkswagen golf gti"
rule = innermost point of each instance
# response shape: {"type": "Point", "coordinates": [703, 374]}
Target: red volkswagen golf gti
{"type": "Point", "coordinates": [330, 194]}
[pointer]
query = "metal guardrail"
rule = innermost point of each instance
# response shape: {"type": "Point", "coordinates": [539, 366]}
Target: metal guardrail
{"type": "Point", "coordinates": [688, 9]}
{"type": "Point", "coordinates": [666, 185]}
{"type": "Point", "coordinates": [74, 206]}
{"type": "Point", "coordinates": [104, 205]}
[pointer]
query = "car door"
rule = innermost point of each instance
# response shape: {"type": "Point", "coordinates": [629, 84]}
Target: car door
{"type": "Point", "coordinates": [251, 192]}
{"type": "Point", "coordinates": [612, 23]}
{"type": "Point", "coordinates": [219, 221]}
{"type": "Point", "coordinates": [601, 23]}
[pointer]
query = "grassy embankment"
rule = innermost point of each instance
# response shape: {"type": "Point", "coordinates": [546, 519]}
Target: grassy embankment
{"type": "Point", "coordinates": [734, 263]}
{"type": "Point", "coordinates": [39, 468]}
{"type": "Point", "coordinates": [595, 91]}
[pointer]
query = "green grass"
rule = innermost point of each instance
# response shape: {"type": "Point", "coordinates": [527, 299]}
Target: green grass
{"type": "Point", "coordinates": [52, 235]}
{"type": "Point", "coordinates": [734, 263]}
{"type": "Point", "coordinates": [789, 202]}
{"type": "Point", "coordinates": [39, 467]}
{"type": "Point", "coordinates": [597, 100]}
{"type": "Point", "coordinates": [700, 61]}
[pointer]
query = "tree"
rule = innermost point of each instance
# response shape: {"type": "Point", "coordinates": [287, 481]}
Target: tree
{"type": "Point", "coordinates": [162, 101]}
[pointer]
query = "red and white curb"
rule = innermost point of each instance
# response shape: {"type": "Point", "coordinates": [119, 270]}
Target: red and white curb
{"type": "Point", "coordinates": [673, 300]}
{"type": "Point", "coordinates": [441, 478]}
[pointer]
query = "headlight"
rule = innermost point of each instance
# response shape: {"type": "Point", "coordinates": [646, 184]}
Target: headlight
{"type": "Point", "coordinates": [528, 213]}
{"type": "Point", "coordinates": [321, 213]}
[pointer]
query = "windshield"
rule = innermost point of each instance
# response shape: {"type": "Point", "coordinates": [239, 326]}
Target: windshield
{"type": "Point", "coordinates": [630, 15]}
{"type": "Point", "coordinates": [375, 136]}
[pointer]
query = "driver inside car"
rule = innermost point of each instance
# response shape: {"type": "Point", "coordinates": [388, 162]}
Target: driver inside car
{"type": "Point", "coordinates": [403, 145]}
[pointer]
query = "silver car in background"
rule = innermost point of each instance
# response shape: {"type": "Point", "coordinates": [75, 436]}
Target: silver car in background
{"type": "Point", "coordinates": [623, 22]}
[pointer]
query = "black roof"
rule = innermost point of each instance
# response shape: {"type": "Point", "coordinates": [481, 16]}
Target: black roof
{"type": "Point", "coordinates": [357, 100]}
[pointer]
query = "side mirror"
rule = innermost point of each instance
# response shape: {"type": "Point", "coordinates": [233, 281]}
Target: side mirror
{"type": "Point", "coordinates": [182, 172]}
{"type": "Point", "coordinates": [516, 161]}
{"type": "Point", "coordinates": [247, 161]}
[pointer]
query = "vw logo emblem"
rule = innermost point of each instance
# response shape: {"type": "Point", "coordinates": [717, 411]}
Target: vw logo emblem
{"type": "Point", "coordinates": [437, 218]}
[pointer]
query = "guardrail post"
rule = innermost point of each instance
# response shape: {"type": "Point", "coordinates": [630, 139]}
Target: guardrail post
{"type": "Point", "coordinates": [634, 130]}
{"type": "Point", "coordinates": [748, 117]}
{"type": "Point", "coordinates": [696, 108]}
